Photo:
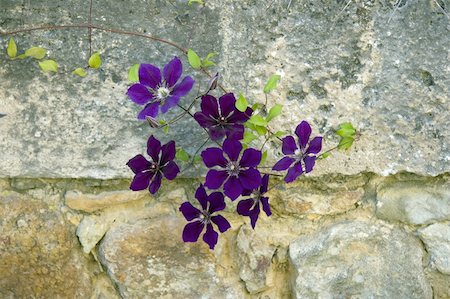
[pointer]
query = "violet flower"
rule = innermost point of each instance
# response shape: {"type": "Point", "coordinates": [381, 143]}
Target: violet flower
{"type": "Point", "coordinates": [299, 154]}
{"type": "Point", "coordinates": [238, 174]}
{"type": "Point", "coordinates": [156, 92]}
{"type": "Point", "coordinates": [222, 117]}
{"type": "Point", "coordinates": [149, 173]}
{"type": "Point", "coordinates": [251, 207]}
{"type": "Point", "coordinates": [210, 204]}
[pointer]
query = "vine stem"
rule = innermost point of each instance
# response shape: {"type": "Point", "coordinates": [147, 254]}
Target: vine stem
{"type": "Point", "coordinates": [90, 28]}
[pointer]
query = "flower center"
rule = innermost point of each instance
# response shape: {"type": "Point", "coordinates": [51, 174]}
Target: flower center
{"type": "Point", "coordinates": [154, 167]}
{"type": "Point", "coordinates": [222, 120]}
{"type": "Point", "coordinates": [233, 168]}
{"type": "Point", "coordinates": [162, 92]}
{"type": "Point", "coordinates": [205, 217]}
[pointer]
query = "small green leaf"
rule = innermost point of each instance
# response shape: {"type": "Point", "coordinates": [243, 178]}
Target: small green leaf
{"type": "Point", "coordinates": [345, 143]}
{"type": "Point", "coordinates": [193, 59]}
{"type": "Point", "coordinates": [258, 120]}
{"type": "Point", "coordinates": [271, 83]}
{"type": "Point", "coordinates": [21, 56]}
{"type": "Point", "coordinates": [12, 48]}
{"type": "Point", "coordinates": [279, 134]}
{"type": "Point", "coordinates": [207, 62]}
{"type": "Point", "coordinates": [80, 72]}
{"type": "Point", "coordinates": [241, 103]}
{"type": "Point", "coordinates": [257, 106]}
{"type": "Point", "coordinates": [325, 155]}
{"type": "Point", "coordinates": [195, 1]}
{"type": "Point", "coordinates": [182, 155]}
{"type": "Point", "coordinates": [133, 73]}
{"type": "Point", "coordinates": [35, 52]}
{"type": "Point", "coordinates": [274, 112]}
{"type": "Point", "coordinates": [261, 130]}
{"type": "Point", "coordinates": [95, 60]}
{"type": "Point", "coordinates": [263, 157]}
{"type": "Point", "coordinates": [346, 130]}
{"type": "Point", "coordinates": [197, 159]}
{"type": "Point", "coordinates": [48, 66]}
{"type": "Point", "coordinates": [249, 137]}
{"type": "Point", "coordinates": [166, 129]}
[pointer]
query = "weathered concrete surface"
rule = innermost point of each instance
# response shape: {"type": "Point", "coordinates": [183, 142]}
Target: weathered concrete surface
{"type": "Point", "coordinates": [380, 67]}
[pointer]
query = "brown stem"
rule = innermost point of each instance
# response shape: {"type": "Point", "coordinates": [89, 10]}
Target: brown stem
{"type": "Point", "coordinates": [90, 29]}
{"type": "Point", "coordinates": [337, 146]}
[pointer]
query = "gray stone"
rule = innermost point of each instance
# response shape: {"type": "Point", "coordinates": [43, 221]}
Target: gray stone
{"type": "Point", "coordinates": [356, 259]}
{"type": "Point", "coordinates": [414, 202]}
{"type": "Point", "coordinates": [437, 240]}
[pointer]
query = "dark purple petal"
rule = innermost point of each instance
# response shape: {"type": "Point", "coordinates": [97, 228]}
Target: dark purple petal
{"type": "Point", "coordinates": [172, 71]}
{"type": "Point", "coordinates": [250, 158]}
{"type": "Point", "coordinates": [294, 172]}
{"type": "Point", "coordinates": [189, 211]}
{"type": "Point", "coordinates": [204, 120]}
{"type": "Point", "coordinates": [221, 223]}
{"type": "Point", "coordinates": [151, 109]}
{"type": "Point", "coordinates": [149, 75]}
{"type": "Point", "coordinates": [167, 152]}
{"type": "Point", "coordinates": [283, 164]}
{"type": "Point", "coordinates": [247, 192]}
{"type": "Point", "coordinates": [171, 170]}
{"type": "Point", "coordinates": [141, 181]}
{"type": "Point", "coordinates": [233, 188]}
{"type": "Point", "coordinates": [227, 104]}
{"type": "Point", "coordinates": [215, 178]}
{"type": "Point", "coordinates": [216, 202]}
{"type": "Point", "coordinates": [201, 196]}
{"type": "Point", "coordinates": [235, 131]}
{"type": "Point", "coordinates": [264, 184]}
{"type": "Point", "coordinates": [217, 132]}
{"type": "Point", "coordinates": [309, 163]}
{"type": "Point", "coordinates": [213, 156]}
{"type": "Point", "coordinates": [192, 231]}
{"type": "Point", "coordinates": [303, 131]}
{"type": "Point", "coordinates": [315, 146]}
{"type": "Point", "coordinates": [240, 117]}
{"type": "Point", "coordinates": [254, 214]}
{"type": "Point", "coordinates": [250, 178]}
{"type": "Point", "coordinates": [289, 145]}
{"type": "Point", "coordinates": [138, 163]}
{"type": "Point", "coordinates": [265, 205]}
{"type": "Point", "coordinates": [170, 102]}
{"type": "Point", "coordinates": [156, 183]}
{"type": "Point", "coordinates": [153, 148]}
{"type": "Point", "coordinates": [139, 94]}
{"type": "Point", "coordinates": [184, 87]}
{"type": "Point", "coordinates": [244, 206]}
{"type": "Point", "coordinates": [209, 106]}
{"type": "Point", "coordinates": [232, 148]}
{"type": "Point", "coordinates": [210, 237]}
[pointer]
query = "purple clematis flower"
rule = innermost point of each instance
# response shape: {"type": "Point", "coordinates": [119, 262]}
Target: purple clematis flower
{"type": "Point", "coordinates": [222, 117]}
{"type": "Point", "coordinates": [210, 204]}
{"type": "Point", "coordinates": [159, 92]}
{"type": "Point", "coordinates": [238, 174]}
{"type": "Point", "coordinates": [251, 206]}
{"type": "Point", "coordinates": [299, 154]}
{"type": "Point", "coordinates": [149, 173]}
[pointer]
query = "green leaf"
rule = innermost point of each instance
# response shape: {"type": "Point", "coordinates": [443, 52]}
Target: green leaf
{"type": "Point", "coordinates": [261, 130]}
{"type": "Point", "coordinates": [12, 48]}
{"type": "Point", "coordinates": [35, 52]}
{"type": "Point", "coordinates": [166, 129]}
{"type": "Point", "coordinates": [80, 72]}
{"type": "Point", "coordinates": [346, 130]}
{"type": "Point", "coordinates": [48, 66]}
{"type": "Point", "coordinates": [263, 157]}
{"type": "Point", "coordinates": [195, 1]}
{"type": "Point", "coordinates": [279, 134]}
{"type": "Point", "coordinates": [271, 83]}
{"type": "Point", "coordinates": [325, 155]}
{"type": "Point", "coordinates": [182, 155]}
{"type": "Point", "coordinates": [197, 159]}
{"type": "Point", "coordinates": [249, 137]}
{"type": "Point", "coordinates": [133, 73]}
{"type": "Point", "coordinates": [345, 143]}
{"type": "Point", "coordinates": [257, 106]}
{"type": "Point", "coordinates": [258, 120]}
{"type": "Point", "coordinates": [274, 112]}
{"type": "Point", "coordinates": [193, 59]}
{"type": "Point", "coordinates": [241, 103]}
{"type": "Point", "coordinates": [95, 60]}
{"type": "Point", "coordinates": [207, 62]}
{"type": "Point", "coordinates": [21, 56]}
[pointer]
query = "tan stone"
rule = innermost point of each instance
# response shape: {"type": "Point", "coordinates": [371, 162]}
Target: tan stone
{"type": "Point", "coordinates": [93, 202]}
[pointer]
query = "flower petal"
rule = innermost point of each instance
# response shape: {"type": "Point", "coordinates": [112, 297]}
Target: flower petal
{"type": "Point", "coordinates": [216, 202]}
{"type": "Point", "coordinates": [156, 183]}
{"type": "Point", "coordinates": [189, 211]}
{"type": "Point", "coordinates": [171, 170]}
{"type": "Point", "coordinates": [167, 152]}
{"type": "Point", "coordinates": [240, 117]}
{"type": "Point", "coordinates": [289, 145]}
{"type": "Point", "coordinates": [204, 120]}
{"type": "Point", "coordinates": [315, 145]}
{"type": "Point", "coordinates": [201, 196]}
{"type": "Point", "coordinates": [139, 94]}
{"type": "Point", "coordinates": [250, 158]}
{"type": "Point", "coordinates": [209, 106]}
{"type": "Point", "coordinates": [151, 109]}
{"type": "Point", "coordinates": [221, 223]}
{"type": "Point", "coordinates": [309, 163]}
{"type": "Point", "coordinates": [172, 71]}
{"type": "Point", "coordinates": [192, 231]}
{"type": "Point", "coordinates": [216, 132]}
{"type": "Point", "coordinates": [213, 156]}
{"type": "Point", "coordinates": [215, 178]}
{"type": "Point", "coordinates": [303, 131]}
{"type": "Point", "coordinates": [294, 172]}
{"type": "Point", "coordinates": [233, 188]}
{"type": "Point", "coordinates": [141, 181]}
{"type": "Point", "coordinates": [232, 148]}
{"type": "Point", "coordinates": [265, 205]}
{"type": "Point", "coordinates": [184, 87]}
{"type": "Point", "coordinates": [170, 102]}
{"type": "Point", "coordinates": [226, 103]}
{"type": "Point", "coordinates": [153, 148]}
{"type": "Point", "coordinates": [283, 164]}
{"type": "Point", "coordinates": [138, 164]}
{"type": "Point", "coordinates": [250, 178]}
{"type": "Point", "coordinates": [244, 206]}
{"type": "Point", "coordinates": [235, 131]}
{"type": "Point", "coordinates": [254, 214]}
{"type": "Point", "coordinates": [264, 184]}
{"type": "Point", "coordinates": [149, 75]}
{"type": "Point", "coordinates": [210, 237]}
